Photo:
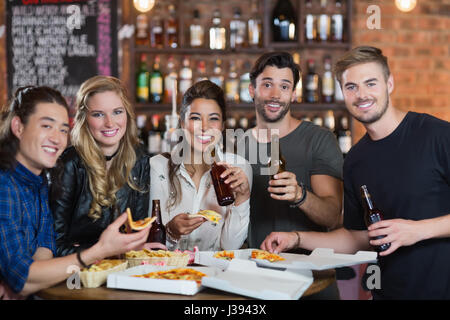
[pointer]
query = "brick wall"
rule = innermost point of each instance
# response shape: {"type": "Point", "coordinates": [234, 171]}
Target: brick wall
{"type": "Point", "coordinates": [417, 45]}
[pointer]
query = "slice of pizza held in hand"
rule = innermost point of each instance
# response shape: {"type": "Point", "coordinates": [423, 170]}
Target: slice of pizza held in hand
{"type": "Point", "coordinates": [210, 215]}
{"type": "Point", "coordinates": [139, 224]}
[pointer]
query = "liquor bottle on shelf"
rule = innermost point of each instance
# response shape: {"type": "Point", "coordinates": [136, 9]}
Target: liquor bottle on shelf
{"type": "Point", "coordinates": [299, 87]}
{"type": "Point", "coordinates": [142, 37]}
{"type": "Point", "coordinates": [312, 83]}
{"type": "Point", "coordinates": [237, 30]}
{"type": "Point", "coordinates": [201, 71]}
{"type": "Point", "coordinates": [310, 23]}
{"type": "Point", "coordinates": [337, 23]}
{"type": "Point", "coordinates": [142, 81]}
{"type": "Point", "coordinates": [141, 123]}
{"type": "Point", "coordinates": [284, 22]}
{"type": "Point", "coordinates": [317, 120]}
{"type": "Point", "coordinates": [338, 96]}
{"type": "Point", "coordinates": [171, 75]}
{"type": "Point", "coordinates": [185, 76]}
{"type": "Point", "coordinates": [154, 135]}
{"type": "Point", "coordinates": [217, 76]}
{"type": "Point", "coordinates": [172, 28]}
{"type": "Point", "coordinates": [217, 32]}
{"type": "Point", "coordinates": [344, 136]}
{"type": "Point", "coordinates": [254, 26]}
{"type": "Point", "coordinates": [169, 137]}
{"type": "Point", "coordinates": [156, 30]}
{"type": "Point", "coordinates": [243, 123]}
{"type": "Point", "coordinates": [244, 94]}
{"type": "Point", "coordinates": [157, 230]}
{"type": "Point", "coordinates": [156, 82]}
{"type": "Point", "coordinates": [372, 215]}
{"type": "Point", "coordinates": [327, 81]}
{"type": "Point", "coordinates": [196, 31]}
{"type": "Point", "coordinates": [232, 84]}
{"type": "Point", "coordinates": [328, 121]}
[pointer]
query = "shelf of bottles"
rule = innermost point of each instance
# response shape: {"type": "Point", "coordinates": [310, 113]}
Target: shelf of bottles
{"type": "Point", "coordinates": [192, 40]}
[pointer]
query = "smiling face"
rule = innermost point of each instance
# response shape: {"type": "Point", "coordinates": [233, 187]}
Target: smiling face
{"type": "Point", "coordinates": [366, 91]}
{"type": "Point", "coordinates": [203, 124]}
{"type": "Point", "coordinates": [273, 93]}
{"type": "Point", "coordinates": [43, 138]}
{"type": "Point", "coordinates": [107, 120]}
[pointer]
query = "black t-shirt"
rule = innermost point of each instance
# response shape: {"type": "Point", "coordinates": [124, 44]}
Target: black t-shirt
{"type": "Point", "coordinates": [408, 176]}
{"type": "Point", "coordinates": [308, 150]}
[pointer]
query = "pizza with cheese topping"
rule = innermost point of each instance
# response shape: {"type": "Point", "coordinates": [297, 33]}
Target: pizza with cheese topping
{"type": "Point", "coordinates": [175, 274]}
{"type": "Point", "coordinates": [266, 255]}
{"type": "Point", "coordinates": [225, 255]}
{"type": "Point", "coordinates": [210, 215]}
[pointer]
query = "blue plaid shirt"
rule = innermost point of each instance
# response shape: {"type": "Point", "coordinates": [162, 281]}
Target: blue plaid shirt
{"type": "Point", "coordinates": [26, 223]}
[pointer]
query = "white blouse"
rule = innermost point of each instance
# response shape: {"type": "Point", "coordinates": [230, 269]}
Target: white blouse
{"type": "Point", "coordinates": [231, 231]}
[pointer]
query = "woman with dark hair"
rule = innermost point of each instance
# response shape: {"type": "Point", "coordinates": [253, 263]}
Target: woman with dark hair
{"type": "Point", "coordinates": [105, 169]}
{"type": "Point", "coordinates": [184, 187]}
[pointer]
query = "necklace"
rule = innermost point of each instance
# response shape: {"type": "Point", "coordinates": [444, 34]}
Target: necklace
{"type": "Point", "coordinates": [108, 158]}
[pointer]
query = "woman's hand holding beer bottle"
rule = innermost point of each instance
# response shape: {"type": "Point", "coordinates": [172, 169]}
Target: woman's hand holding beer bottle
{"type": "Point", "coordinates": [236, 178]}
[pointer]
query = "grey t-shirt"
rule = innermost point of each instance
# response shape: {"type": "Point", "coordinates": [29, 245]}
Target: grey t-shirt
{"type": "Point", "coordinates": [308, 150]}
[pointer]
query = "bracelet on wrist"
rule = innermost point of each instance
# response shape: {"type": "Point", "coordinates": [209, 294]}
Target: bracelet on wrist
{"type": "Point", "coordinates": [170, 236]}
{"type": "Point", "coordinates": [84, 265]}
{"type": "Point", "coordinates": [302, 199]}
{"type": "Point", "coordinates": [297, 233]}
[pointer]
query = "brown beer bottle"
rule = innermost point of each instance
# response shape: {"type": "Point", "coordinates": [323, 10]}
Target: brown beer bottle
{"type": "Point", "coordinates": [224, 193]}
{"type": "Point", "coordinates": [279, 163]}
{"type": "Point", "coordinates": [158, 230]}
{"type": "Point", "coordinates": [372, 215]}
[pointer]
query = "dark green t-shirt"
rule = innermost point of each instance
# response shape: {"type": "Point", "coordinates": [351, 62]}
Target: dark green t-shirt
{"type": "Point", "coordinates": [308, 150]}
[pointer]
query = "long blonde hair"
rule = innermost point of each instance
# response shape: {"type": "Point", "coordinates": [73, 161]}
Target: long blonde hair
{"type": "Point", "coordinates": [104, 183]}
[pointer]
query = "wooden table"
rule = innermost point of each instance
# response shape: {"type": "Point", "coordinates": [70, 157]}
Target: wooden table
{"type": "Point", "coordinates": [322, 279]}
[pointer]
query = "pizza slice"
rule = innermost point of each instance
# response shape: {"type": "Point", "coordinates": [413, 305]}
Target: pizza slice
{"type": "Point", "coordinates": [266, 255]}
{"type": "Point", "coordinates": [175, 274]}
{"type": "Point", "coordinates": [225, 255]}
{"type": "Point", "coordinates": [210, 215]}
{"type": "Point", "coordinates": [139, 224]}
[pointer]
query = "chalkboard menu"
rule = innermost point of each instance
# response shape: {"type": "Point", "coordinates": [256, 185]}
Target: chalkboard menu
{"type": "Point", "coordinates": [60, 43]}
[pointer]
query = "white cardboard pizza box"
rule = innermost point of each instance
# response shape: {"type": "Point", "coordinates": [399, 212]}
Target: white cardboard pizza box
{"type": "Point", "coordinates": [319, 259]}
{"type": "Point", "coordinates": [244, 277]}
{"type": "Point", "coordinates": [125, 280]}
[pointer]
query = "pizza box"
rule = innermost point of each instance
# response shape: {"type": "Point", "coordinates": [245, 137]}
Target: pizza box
{"type": "Point", "coordinates": [319, 259]}
{"type": "Point", "coordinates": [244, 277]}
{"type": "Point", "coordinates": [125, 280]}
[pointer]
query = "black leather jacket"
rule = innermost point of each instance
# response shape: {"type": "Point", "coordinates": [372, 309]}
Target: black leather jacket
{"type": "Point", "coordinates": [70, 209]}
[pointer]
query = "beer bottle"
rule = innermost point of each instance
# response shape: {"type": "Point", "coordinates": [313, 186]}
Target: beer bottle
{"type": "Point", "coordinates": [158, 230]}
{"type": "Point", "coordinates": [372, 215]}
{"type": "Point", "coordinates": [224, 193]}
{"type": "Point", "coordinates": [279, 163]}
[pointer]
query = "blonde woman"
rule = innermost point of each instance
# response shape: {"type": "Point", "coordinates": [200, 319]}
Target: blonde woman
{"type": "Point", "coordinates": [105, 169]}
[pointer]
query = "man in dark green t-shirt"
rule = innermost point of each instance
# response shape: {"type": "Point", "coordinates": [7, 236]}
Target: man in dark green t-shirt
{"type": "Point", "coordinates": [308, 195]}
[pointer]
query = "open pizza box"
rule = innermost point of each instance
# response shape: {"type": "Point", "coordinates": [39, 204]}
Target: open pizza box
{"type": "Point", "coordinates": [244, 277]}
{"type": "Point", "coordinates": [319, 259]}
{"type": "Point", "coordinates": [125, 280]}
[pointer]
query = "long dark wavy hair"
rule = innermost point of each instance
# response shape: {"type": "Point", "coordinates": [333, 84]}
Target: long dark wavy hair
{"type": "Point", "coordinates": [22, 105]}
{"type": "Point", "coordinates": [203, 89]}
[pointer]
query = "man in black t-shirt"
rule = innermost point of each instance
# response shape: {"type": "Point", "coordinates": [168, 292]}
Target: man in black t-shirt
{"type": "Point", "coordinates": [404, 159]}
